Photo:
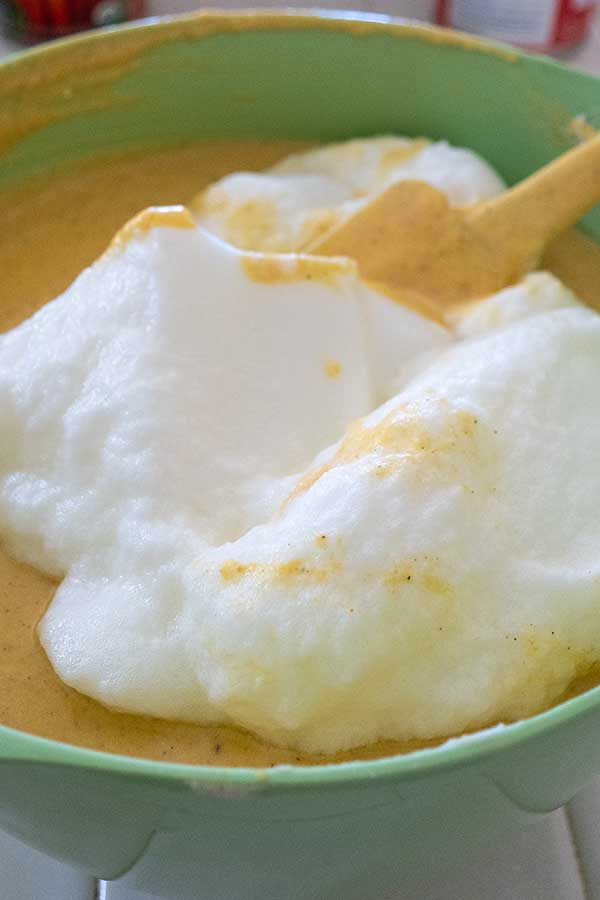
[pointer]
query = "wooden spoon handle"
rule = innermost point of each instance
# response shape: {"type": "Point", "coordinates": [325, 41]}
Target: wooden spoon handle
{"type": "Point", "coordinates": [538, 209]}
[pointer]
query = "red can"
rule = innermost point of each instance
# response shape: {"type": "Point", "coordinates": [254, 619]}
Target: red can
{"type": "Point", "coordinates": [37, 20]}
{"type": "Point", "coordinates": [544, 25]}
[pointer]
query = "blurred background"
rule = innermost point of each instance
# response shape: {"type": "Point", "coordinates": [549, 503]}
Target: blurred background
{"type": "Point", "coordinates": [566, 28]}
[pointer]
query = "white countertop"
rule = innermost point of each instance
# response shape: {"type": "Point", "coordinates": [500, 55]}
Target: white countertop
{"type": "Point", "coordinates": [556, 859]}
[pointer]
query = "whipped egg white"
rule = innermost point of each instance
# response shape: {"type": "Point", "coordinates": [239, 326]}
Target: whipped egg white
{"type": "Point", "coordinates": [305, 195]}
{"type": "Point", "coordinates": [280, 500]}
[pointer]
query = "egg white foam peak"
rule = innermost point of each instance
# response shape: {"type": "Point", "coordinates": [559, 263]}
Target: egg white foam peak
{"type": "Point", "coordinates": [303, 196]}
{"type": "Point", "coordinates": [177, 444]}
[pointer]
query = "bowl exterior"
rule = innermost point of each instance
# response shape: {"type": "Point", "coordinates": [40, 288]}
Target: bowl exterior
{"type": "Point", "coordinates": [273, 837]}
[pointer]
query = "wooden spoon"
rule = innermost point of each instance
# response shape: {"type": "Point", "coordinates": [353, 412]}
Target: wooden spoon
{"type": "Point", "coordinates": [414, 245]}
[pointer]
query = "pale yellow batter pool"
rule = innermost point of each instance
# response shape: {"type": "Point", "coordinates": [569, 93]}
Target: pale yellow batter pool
{"type": "Point", "coordinates": [49, 231]}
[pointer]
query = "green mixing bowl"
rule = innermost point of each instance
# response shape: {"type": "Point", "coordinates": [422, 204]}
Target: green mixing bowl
{"type": "Point", "coordinates": [339, 832]}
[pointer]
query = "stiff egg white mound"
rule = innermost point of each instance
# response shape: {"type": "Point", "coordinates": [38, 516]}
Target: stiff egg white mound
{"type": "Point", "coordinates": [169, 381]}
{"type": "Point", "coordinates": [279, 500]}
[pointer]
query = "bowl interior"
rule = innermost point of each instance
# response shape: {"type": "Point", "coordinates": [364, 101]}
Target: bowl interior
{"type": "Point", "coordinates": [311, 77]}
{"type": "Point", "coordinates": [276, 75]}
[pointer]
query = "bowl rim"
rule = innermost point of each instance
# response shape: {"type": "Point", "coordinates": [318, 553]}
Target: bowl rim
{"type": "Point", "coordinates": [204, 22]}
{"type": "Point", "coordinates": [458, 752]}
{"type": "Point", "coordinates": [24, 747]}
